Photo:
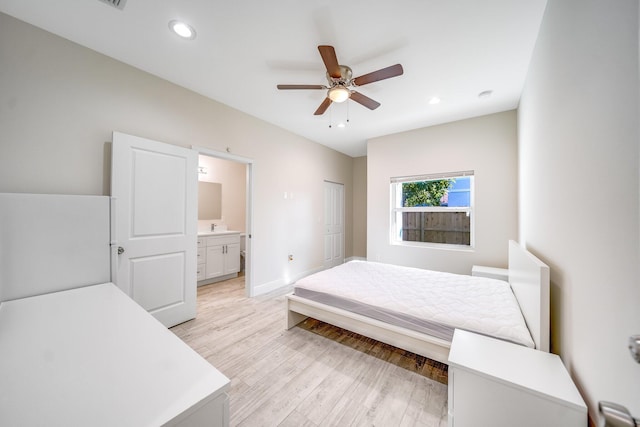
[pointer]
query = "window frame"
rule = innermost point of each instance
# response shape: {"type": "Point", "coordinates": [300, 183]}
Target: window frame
{"type": "Point", "coordinates": [396, 211]}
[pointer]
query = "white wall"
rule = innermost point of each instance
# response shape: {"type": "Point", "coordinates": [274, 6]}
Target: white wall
{"type": "Point", "coordinates": [486, 145]}
{"type": "Point", "coordinates": [60, 102]}
{"type": "Point", "coordinates": [360, 207]}
{"type": "Point", "coordinates": [579, 188]}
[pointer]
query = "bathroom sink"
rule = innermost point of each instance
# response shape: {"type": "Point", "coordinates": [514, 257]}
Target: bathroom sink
{"type": "Point", "coordinates": [224, 232]}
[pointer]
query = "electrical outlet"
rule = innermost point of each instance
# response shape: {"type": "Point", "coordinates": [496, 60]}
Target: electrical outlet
{"type": "Point", "coordinates": [634, 347]}
{"type": "Point", "coordinates": [290, 257]}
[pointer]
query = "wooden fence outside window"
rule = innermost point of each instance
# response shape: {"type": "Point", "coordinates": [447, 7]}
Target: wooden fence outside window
{"type": "Point", "coordinates": [437, 227]}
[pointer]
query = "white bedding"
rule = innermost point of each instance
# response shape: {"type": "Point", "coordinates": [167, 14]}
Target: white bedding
{"type": "Point", "coordinates": [423, 300]}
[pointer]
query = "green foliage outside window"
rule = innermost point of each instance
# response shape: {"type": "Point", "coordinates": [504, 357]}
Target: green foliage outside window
{"type": "Point", "coordinates": [425, 193]}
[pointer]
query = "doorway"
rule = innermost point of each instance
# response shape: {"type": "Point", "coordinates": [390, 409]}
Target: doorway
{"type": "Point", "coordinates": [230, 215]}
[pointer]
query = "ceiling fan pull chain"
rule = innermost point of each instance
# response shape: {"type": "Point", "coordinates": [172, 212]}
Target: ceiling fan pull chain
{"type": "Point", "coordinates": [330, 116]}
{"type": "Point", "coordinates": [347, 113]}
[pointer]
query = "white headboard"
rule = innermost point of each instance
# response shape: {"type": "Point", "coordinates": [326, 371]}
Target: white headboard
{"type": "Point", "coordinates": [51, 243]}
{"type": "Point", "coordinates": [529, 280]}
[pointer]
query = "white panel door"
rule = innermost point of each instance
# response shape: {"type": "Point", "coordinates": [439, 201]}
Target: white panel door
{"type": "Point", "coordinates": [333, 224]}
{"type": "Point", "coordinates": [155, 188]}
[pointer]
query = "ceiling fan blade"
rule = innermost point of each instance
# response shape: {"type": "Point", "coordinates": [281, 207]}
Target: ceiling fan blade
{"type": "Point", "coordinates": [384, 73]}
{"type": "Point", "coordinates": [364, 100]}
{"type": "Point", "coordinates": [301, 87]}
{"type": "Point", "coordinates": [323, 107]}
{"type": "Point", "coordinates": [330, 60]}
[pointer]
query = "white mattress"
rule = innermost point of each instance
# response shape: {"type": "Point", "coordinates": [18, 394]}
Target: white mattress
{"type": "Point", "coordinates": [430, 302]}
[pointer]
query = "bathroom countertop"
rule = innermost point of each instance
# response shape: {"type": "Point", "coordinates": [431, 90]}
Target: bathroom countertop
{"type": "Point", "coordinates": [216, 233]}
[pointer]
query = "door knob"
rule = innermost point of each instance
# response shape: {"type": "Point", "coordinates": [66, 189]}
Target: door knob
{"type": "Point", "coordinates": [616, 415]}
{"type": "Point", "coordinates": [120, 250]}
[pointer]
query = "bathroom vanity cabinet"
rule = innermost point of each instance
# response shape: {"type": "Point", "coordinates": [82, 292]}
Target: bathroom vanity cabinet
{"type": "Point", "coordinates": [218, 256]}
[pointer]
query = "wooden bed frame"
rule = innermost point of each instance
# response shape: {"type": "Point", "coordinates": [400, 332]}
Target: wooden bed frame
{"type": "Point", "coordinates": [529, 280]}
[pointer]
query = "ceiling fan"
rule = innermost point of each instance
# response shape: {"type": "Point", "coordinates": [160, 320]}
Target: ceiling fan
{"type": "Point", "coordinates": [340, 81]}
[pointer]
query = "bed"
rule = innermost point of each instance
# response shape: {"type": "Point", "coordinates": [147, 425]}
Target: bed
{"type": "Point", "coordinates": [74, 348]}
{"type": "Point", "coordinates": [371, 299]}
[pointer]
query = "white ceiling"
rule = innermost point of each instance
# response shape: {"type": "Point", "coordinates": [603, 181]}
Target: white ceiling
{"type": "Point", "coordinates": [452, 49]}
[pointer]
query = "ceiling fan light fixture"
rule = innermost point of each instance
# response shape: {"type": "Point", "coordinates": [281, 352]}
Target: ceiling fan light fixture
{"type": "Point", "coordinates": [339, 93]}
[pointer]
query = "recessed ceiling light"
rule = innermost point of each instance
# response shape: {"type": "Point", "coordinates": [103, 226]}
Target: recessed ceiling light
{"type": "Point", "coordinates": [485, 94]}
{"type": "Point", "coordinates": [185, 31]}
{"type": "Point", "coordinates": [434, 100]}
{"type": "Point", "coordinates": [341, 125]}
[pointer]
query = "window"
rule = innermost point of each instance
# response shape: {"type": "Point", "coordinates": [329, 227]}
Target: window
{"type": "Point", "coordinates": [433, 209]}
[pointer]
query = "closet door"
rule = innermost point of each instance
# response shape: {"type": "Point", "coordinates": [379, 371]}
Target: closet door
{"type": "Point", "coordinates": [155, 186]}
{"type": "Point", "coordinates": [333, 224]}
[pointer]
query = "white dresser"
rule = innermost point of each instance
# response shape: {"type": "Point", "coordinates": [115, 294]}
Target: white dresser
{"type": "Point", "coordinates": [499, 384]}
{"type": "Point", "coordinates": [75, 350]}
{"type": "Point", "coordinates": [93, 357]}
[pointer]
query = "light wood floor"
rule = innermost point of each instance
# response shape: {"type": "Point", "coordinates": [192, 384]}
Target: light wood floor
{"type": "Point", "coordinates": [311, 375]}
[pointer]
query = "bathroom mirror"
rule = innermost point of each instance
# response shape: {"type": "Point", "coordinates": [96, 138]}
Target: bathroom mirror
{"type": "Point", "coordinates": [209, 200]}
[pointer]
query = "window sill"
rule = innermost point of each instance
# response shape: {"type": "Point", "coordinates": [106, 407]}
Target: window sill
{"type": "Point", "coordinates": [438, 246]}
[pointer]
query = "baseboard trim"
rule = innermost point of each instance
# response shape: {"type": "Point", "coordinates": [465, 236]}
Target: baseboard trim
{"type": "Point", "coordinates": [280, 283]}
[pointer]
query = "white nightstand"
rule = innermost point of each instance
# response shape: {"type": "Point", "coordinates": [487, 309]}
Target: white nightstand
{"type": "Point", "coordinates": [491, 272]}
{"type": "Point", "coordinates": [500, 384]}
